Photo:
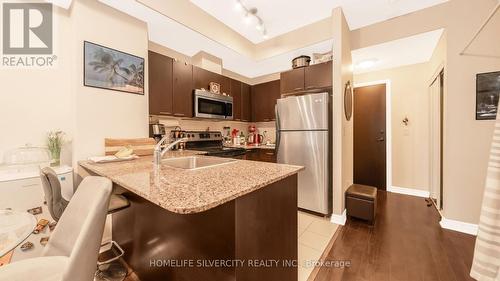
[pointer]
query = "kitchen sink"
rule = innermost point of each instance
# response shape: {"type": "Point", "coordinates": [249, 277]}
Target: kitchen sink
{"type": "Point", "coordinates": [196, 162]}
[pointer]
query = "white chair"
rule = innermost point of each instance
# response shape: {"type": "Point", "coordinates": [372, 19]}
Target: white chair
{"type": "Point", "coordinates": [71, 253]}
{"type": "Point", "coordinates": [52, 190]}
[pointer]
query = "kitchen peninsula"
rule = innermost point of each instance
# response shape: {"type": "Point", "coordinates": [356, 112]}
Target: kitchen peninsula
{"type": "Point", "coordinates": [215, 223]}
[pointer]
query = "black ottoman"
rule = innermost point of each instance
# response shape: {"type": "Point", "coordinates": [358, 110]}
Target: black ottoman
{"type": "Point", "coordinates": [361, 202]}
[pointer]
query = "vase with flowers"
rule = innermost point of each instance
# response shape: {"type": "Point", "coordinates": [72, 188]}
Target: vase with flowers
{"type": "Point", "coordinates": [55, 141]}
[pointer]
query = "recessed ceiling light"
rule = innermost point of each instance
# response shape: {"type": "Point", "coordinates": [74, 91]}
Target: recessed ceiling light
{"type": "Point", "coordinates": [364, 64]}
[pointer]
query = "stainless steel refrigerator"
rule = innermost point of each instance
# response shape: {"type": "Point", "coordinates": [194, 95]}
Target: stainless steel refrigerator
{"type": "Point", "coordinates": [303, 138]}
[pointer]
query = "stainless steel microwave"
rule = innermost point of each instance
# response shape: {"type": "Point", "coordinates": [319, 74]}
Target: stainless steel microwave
{"type": "Point", "coordinates": [210, 105]}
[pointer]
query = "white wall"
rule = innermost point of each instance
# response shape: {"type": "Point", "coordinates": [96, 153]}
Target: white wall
{"type": "Point", "coordinates": [104, 113]}
{"type": "Point", "coordinates": [342, 129]}
{"type": "Point", "coordinates": [35, 101]}
{"type": "Point", "coordinates": [410, 144]}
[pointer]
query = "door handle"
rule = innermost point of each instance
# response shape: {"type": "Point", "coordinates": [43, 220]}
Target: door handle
{"type": "Point", "coordinates": [381, 139]}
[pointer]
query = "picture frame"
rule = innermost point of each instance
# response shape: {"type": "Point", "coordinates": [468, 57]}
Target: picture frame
{"type": "Point", "coordinates": [111, 69]}
{"type": "Point", "coordinates": [487, 95]}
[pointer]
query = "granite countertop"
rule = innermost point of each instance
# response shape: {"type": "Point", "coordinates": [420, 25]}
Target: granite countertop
{"type": "Point", "coordinates": [251, 146]}
{"type": "Point", "coordinates": [191, 191]}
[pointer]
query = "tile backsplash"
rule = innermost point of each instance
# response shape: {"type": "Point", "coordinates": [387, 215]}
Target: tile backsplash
{"type": "Point", "coordinates": [203, 125]}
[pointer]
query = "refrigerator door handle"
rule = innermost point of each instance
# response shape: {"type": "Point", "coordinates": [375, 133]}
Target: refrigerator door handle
{"type": "Point", "coordinates": [278, 137]}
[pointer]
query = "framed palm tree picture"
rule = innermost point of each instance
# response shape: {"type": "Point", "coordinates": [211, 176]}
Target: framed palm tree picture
{"type": "Point", "coordinates": [112, 69]}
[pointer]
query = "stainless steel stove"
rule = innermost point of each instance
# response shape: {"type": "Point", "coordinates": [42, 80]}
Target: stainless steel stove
{"type": "Point", "coordinates": [212, 143]}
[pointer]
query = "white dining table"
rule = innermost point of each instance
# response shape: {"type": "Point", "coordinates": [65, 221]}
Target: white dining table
{"type": "Point", "coordinates": [15, 227]}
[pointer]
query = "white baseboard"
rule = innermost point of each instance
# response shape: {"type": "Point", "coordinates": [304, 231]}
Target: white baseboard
{"type": "Point", "coordinates": [409, 191]}
{"type": "Point", "coordinates": [339, 219]}
{"type": "Point", "coordinates": [459, 226]}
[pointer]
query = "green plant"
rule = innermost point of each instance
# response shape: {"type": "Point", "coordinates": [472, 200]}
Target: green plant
{"type": "Point", "coordinates": [55, 141]}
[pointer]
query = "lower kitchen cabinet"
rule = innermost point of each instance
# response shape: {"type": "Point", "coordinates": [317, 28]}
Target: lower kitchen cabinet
{"type": "Point", "coordinates": [263, 155]}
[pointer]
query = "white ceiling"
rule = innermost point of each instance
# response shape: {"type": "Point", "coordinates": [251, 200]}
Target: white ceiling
{"type": "Point", "coordinates": [282, 16]}
{"type": "Point", "coordinates": [171, 34]}
{"type": "Point", "coordinates": [61, 3]}
{"type": "Point", "coordinates": [410, 50]}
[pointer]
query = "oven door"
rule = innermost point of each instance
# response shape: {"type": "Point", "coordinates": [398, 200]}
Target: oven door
{"type": "Point", "coordinates": [206, 107]}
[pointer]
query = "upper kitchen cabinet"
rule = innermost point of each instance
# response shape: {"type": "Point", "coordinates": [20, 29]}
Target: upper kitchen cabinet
{"type": "Point", "coordinates": [246, 104]}
{"type": "Point", "coordinates": [160, 84]}
{"type": "Point", "coordinates": [236, 93]}
{"type": "Point", "coordinates": [315, 76]}
{"type": "Point", "coordinates": [182, 89]}
{"type": "Point", "coordinates": [202, 79]}
{"type": "Point", "coordinates": [318, 76]}
{"type": "Point", "coordinates": [264, 98]}
{"type": "Point", "coordinates": [292, 80]}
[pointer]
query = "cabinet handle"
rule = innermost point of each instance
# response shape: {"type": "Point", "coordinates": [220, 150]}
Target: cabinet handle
{"type": "Point", "coordinates": [179, 114]}
{"type": "Point", "coordinates": [296, 89]}
{"type": "Point", "coordinates": [265, 119]}
{"type": "Point", "coordinates": [310, 87]}
{"type": "Point", "coordinates": [270, 153]}
{"type": "Point", "coordinates": [237, 119]}
{"type": "Point", "coordinates": [244, 120]}
{"type": "Point", "coordinates": [164, 112]}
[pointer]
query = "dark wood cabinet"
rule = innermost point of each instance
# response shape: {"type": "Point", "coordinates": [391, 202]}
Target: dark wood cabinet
{"type": "Point", "coordinates": [246, 103]}
{"type": "Point", "coordinates": [182, 89]}
{"type": "Point", "coordinates": [264, 98]}
{"type": "Point", "coordinates": [160, 84]}
{"type": "Point", "coordinates": [236, 94]}
{"type": "Point", "coordinates": [202, 79]}
{"type": "Point", "coordinates": [292, 80]}
{"type": "Point", "coordinates": [263, 155]}
{"type": "Point", "coordinates": [315, 76]}
{"type": "Point", "coordinates": [318, 76]}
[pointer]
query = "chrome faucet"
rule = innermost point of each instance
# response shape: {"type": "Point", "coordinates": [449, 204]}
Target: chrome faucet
{"type": "Point", "coordinates": [159, 152]}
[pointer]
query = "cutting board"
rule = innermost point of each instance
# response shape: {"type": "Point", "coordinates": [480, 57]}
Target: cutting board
{"type": "Point", "coordinates": [141, 146]}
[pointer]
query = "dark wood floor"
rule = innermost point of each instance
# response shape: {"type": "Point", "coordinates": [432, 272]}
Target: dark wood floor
{"type": "Point", "coordinates": [406, 243]}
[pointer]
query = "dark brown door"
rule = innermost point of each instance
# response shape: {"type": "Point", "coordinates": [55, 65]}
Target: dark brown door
{"type": "Point", "coordinates": [236, 94]}
{"type": "Point", "coordinates": [182, 89]}
{"type": "Point", "coordinates": [292, 81]}
{"type": "Point", "coordinates": [318, 76]}
{"type": "Point", "coordinates": [246, 105]}
{"type": "Point", "coordinates": [160, 84]}
{"type": "Point", "coordinates": [370, 136]}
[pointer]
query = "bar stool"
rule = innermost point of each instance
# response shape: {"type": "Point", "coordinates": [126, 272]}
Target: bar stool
{"type": "Point", "coordinates": [72, 250]}
{"type": "Point", "coordinates": [110, 269]}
